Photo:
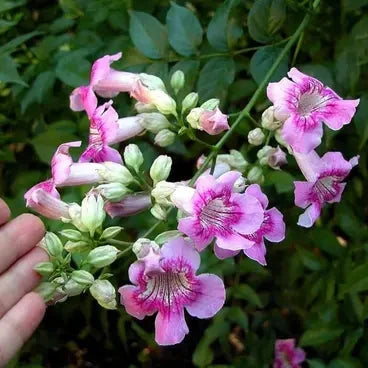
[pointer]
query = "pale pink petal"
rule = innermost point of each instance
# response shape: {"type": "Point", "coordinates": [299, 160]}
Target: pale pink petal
{"type": "Point", "coordinates": [205, 183]}
{"type": "Point", "coordinates": [300, 77]}
{"type": "Point", "coordinates": [170, 327]}
{"type": "Point", "coordinates": [83, 98]}
{"type": "Point", "coordinates": [334, 164]}
{"type": "Point", "coordinates": [279, 93]}
{"type": "Point", "coordinates": [256, 191]}
{"type": "Point", "coordinates": [339, 113]}
{"type": "Point", "coordinates": [221, 253]}
{"type": "Point", "coordinates": [274, 229]}
{"type": "Point", "coordinates": [129, 300]}
{"type": "Point", "coordinates": [101, 67]}
{"type": "Point", "coordinates": [227, 180]}
{"type": "Point", "coordinates": [311, 214]}
{"type": "Point", "coordinates": [303, 193]}
{"type": "Point", "coordinates": [210, 298]}
{"type": "Point", "coordinates": [234, 242]}
{"type": "Point", "coordinates": [298, 356]}
{"type": "Point", "coordinates": [213, 122]}
{"type": "Point", "coordinates": [191, 228]}
{"type": "Point", "coordinates": [183, 198]}
{"type": "Point", "coordinates": [126, 128]}
{"type": "Point", "coordinates": [309, 164]}
{"type": "Point", "coordinates": [129, 205]}
{"type": "Point", "coordinates": [135, 272]}
{"type": "Point", "coordinates": [183, 250]}
{"type": "Point", "coordinates": [109, 154]}
{"type": "Point", "coordinates": [257, 252]}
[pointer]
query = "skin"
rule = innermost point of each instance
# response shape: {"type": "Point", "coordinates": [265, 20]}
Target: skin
{"type": "Point", "coordinates": [21, 309]}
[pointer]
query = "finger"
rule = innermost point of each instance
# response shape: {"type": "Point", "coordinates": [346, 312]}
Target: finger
{"type": "Point", "coordinates": [4, 212]}
{"type": "Point", "coordinates": [18, 325]}
{"type": "Point", "coordinates": [20, 279]}
{"type": "Point", "coordinates": [18, 237]}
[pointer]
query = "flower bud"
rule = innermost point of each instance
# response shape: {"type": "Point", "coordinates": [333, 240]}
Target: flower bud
{"type": "Point", "coordinates": [104, 293]}
{"type": "Point", "coordinates": [255, 175]}
{"type": "Point", "coordinates": [116, 173]}
{"type": "Point", "coordinates": [164, 103]}
{"type": "Point", "coordinates": [154, 122]}
{"type": "Point", "coordinates": [111, 232]}
{"type": "Point", "coordinates": [144, 108]}
{"type": "Point", "coordinates": [158, 212]}
{"type": "Point", "coordinates": [240, 185]}
{"type": "Point", "coordinates": [194, 116]}
{"type": "Point", "coordinates": [161, 191]}
{"type": "Point", "coordinates": [152, 82]}
{"type": "Point", "coordinates": [256, 137]}
{"type": "Point", "coordinates": [113, 191]}
{"type": "Point", "coordinates": [75, 211]}
{"type": "Point", "coordinates": [44, 268]}
{"type": "Point", "coordinates": [160, 169]}
{"type": "Point", "coordinates": [82, 277]}
{"type": "Point", "coordinates": [149, 253]}
{"type": "Point", "coordinates": [71, 234]}
{"type": "Point", "coordinates": [269, 121]}
{"type": "Point", "coordinates": [92, 213]}
{"type": "Point", "coordinates": [164, 138]}
{"type": "Point", "coordinates": [76, 247]}
{"type": "Point", "coordinates": [72, 288]}
{"type": "Point", "coordinates": [280, 140]}
{"type": "Point", "coordinates": [177, 81]}
{"type": "Point", "coordinates": [142, 247]}
{"type": "Point", "coordinates": [102, 256]}
{"type": "Point", "coordinates": [210, 104]}
{"type": "Point", "coordinates": [263, 154]}
{"type": "Point", "coordinates": [133, 157]}
{"type": "Point", "coordinates": [53, 245]}
{"type": "Point", "coordinates": [166, 236]}
{"type": "Point", "coordinates": [190, 101]}
{"type": "Point", "coordinates": [277, 158]}
{"type": "Point", "coordinates": [46, 290]}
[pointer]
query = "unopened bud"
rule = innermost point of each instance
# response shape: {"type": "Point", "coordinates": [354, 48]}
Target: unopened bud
{"type": "Point", "coordinates": [240, 185]}
{"type": "Point", "coordinates": [113, 191]}
{"type": "Point", "coordinates": [164, 138]}
{"type": "Point", "coordinates": [161, 191]}
{"type": "Point", "coordinates": [152, 82]}
{"type": "Point", "coordinates": [165, 104]}
{"type": "Point", "coordinates": [44, 268]}
{"type": "Point", "coordinates": [142, 247]}
{"type": "Point", "coordinates": [149, 253]}
{"type": "Point", "coordinates": [277, 158]}
{"type": "Point", "coordinates": [166, 236]}
{"type": "Point", "coordinates": [210, 104]}
{"type": "Point", "coordinates": [133, 157]}
{"type": "Point", "coordinates": [72, 288]}
{"type": "Point", "coordinates": [92, 213]}
{"type": "Point", "coordinates": [111, 232]}
{"type": "Point", "coordinates": [269, 121]}
{"type": "Point", "coordinates": [77, 246]}
{"type": "Point", "coordinates": [46, 290]}
{"type": "Point", "coordinates": [116, 173]}
{"type": "Point", "coordinates": [82, 277]}
{"type": "Point", "coordinates": [256, 137]}
{"type": "Point", "coordinates": [102, 256]}
{"type": "Point", "coordinates": [194, 116]}
{"type": "Point", "coordinates": [190, 101]}
{"type": "Point", "coordinates": [158, 212]}
{"type": "Point", "coordinates": [104, 293]}
{"type": "Point", "coordinates": [154, 122]}
{"type": "Point", "coordinates": [143, 108]}
{"type": "Point", "coordinates": [177, 81]}
{"type": "Point", "coordinates": [160, 169]}
{"type": "Point", "coordinates": [263, 154]}
{"type": "Point", "coordinates": [71, 234]}
{"type": "Point", "coordinates": [255, 175]}
{"type": "Point", "coordinates": [53, 245]}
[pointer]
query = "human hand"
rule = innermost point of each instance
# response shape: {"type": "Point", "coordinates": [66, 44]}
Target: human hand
{"type": "Point", "coordinates": [21, 310]}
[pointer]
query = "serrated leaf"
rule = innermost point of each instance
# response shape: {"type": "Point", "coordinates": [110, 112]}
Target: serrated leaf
{"type": "Point", "coordinates": [9, 72]}
{"type": "Point", "coordinates": [185, 31]}
{"type": "Point", "coordinates": [148, 35]}
{"type": "Point", "coordinates": [321, 335]}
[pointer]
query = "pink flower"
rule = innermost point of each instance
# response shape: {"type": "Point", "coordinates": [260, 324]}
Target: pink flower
{"type": "Point", "coordinates": [287, 355]}
{"type": "Point", "coordinates": [170, 289]}
{"type": "Point", "coordinates": [304, 103]}
{"type": "Point", "coordinates": [216, 211]}
{"type": "Point", "coordinates": [213, 121]}
{"type": "Point", "coordinates": [129, 205]}
{"type": "Point", "coordinates": [272, 228]}
{"type": "Point", "coordinates": [324, 182]}
{"type": "Point", "coordinates": [277, 158]}
{"type": "Point", "coordinates": [44, 199]}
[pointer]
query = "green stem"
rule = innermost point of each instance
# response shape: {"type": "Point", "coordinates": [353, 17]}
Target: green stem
{"type": "Point", "coordinates": [124, 252]}
{"type": "Point", "coordinates": [249, 116]}
{"type": "Point", "coordinates": [119, 242]}
{"type": "Point", "coordinates": [213, 165]}
{"type": "Point", "coordinates": [297, 48]}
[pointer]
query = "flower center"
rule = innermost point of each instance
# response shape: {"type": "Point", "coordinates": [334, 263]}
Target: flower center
{"type": "Point", "coordinates": [310, 102]}
{"type": "Point", "coordinates": [327, 188]}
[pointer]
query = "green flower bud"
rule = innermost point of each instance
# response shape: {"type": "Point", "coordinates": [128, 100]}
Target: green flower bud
{"type": "Point", "coordinates": [162, 191]}
{"type": "Point", "coordinates": [133, 157]}
{"type": "Point", "coordinates": [143, 108]}
{"type": "Point", "coordinates": [158, 212]}
{"type": "Point", "coordinates": [102, 256]}
{"type": "Point", "coordinates": [193, 117]}
{"type": "Point", "coordinates": [263, 154]}
{"type": "Point", "coordinates": [190, 101]}
{"type": "Point", "coordinates": [82, 277]}
{"type": "Point", "coordinates": [164, 138]}
{"type": "Point", "coordinates": [92, 213]}
{"type": "Point", "coordinates": [177, 81]}
{"type": "Point", "coordinates": [210, 104]}
{"type": "Point", "coordinates": [53, 245]}
{"type": "Point", "coordinates": [154, 122]}
{"type": "Point", "coordinates": [142, 247]}
{"type": "Point", "coordinates": [255, 175]}
{"type": "Point", "coordinates": [76, 247]}
{"type": "Point", "coordinates": [44, 268]}
{"type": "Point", "coordinates": [111, 232]}
{"type": "Point", "coordinates": [72, 288]}
{"type": "Point", "coordinates": [256, 137]}
{"type": "Point", "coordinates": [116, 173]}
{"type": "Point", "coordinates": [160, 169]}
{"type": "Point", "coordinates": [104, 293]}
{"type": "Point", "coordinates": [46, 290]}
{"type": "Point", "coordinates": [164, 103]}
{"type": "Point", "coordinates": [71, 234]}
{"type": "Point", "coordinates": [269, 121]}
{"type": "Point", "coordinates": [113, 191]}
{"type": "Point", "coordinates": [166, 236]}
{"type": "Point", "coordinates": [152, 82]}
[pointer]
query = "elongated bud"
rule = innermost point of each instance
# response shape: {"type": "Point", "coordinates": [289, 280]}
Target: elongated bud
{"type": "Point", "coordinates": [144, 107]}
{"type": "Point", "coordinates": [210, 104]}
{"type": "Point", "coordinates": [53, 245]}
{"type": "Point", "coordinates": [166, 236]}
{"type": "Point", "coordinates": [113, 191]}
{"type": "Point", "coordinates": [92, 214]}
{"type": "Point", "coordinates": [164, 138]}
{"type": "Point", "coordinates": [269, 121]}
{"type": "Point", "coordinates": [133, 157]}
{"type": "Point", "coordinates": [44, 268]}
{"type": "Point", "coordinates": [102, 256]}
{"type": "Point", "coordinates": [164, 103]}
{"type": "Point", "coordinates": [71, 234]}
{"type": "Point", "coordinates": [104, 293]}
{"type": "Point", "coordinates": [160, 169]}
{"type": "Point", "coordinates": [75, 212]}
{"type": "Point", "coordinates": [76, 246]}
{"type": "Point", "coordinates": [154, 122]}
{"type": "Point", "coordinates": [116, 173]}
{"type": "Point", "coordinates": [111, 232]}
{"type": "Point", "coordinates": [72, 288]}
{"type": "Point", "coordinates": [158, 212]}
{"type": "Point", "coordinates": [190, 101]}
{"type": "Point", "coordinates": [256, 137]}
{"type": "Point", "coordinates": [82, 277]}
{"type": "Point", "coordinates": [255, 175]}
{"type": "Point", "coordinates": [177, 81]}
{"type": "Point", "coordinates": [46, 290]}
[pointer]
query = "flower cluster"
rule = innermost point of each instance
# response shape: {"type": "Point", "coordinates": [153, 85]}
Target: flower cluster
{"type": "Point", "coordinates": [223, 206]}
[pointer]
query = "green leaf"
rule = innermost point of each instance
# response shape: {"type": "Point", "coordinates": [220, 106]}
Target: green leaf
{"type": "Point", "coordinates": [6, 5]}
{"type": "Point", "coordinates": [314, 363]}
{"type": "Point", "coordinates": [282, 180]}
{"type": "Point", "coordinates": [9, 72]}
{"type": "Point", "coordinates": [312, 261]}
{"type": "Point", "coordinates": [159, 69]}
{"type": "Point", "coordinates": [265, 19]}
{"type": "Point", "coordinates": [327, 241]}
{"type": "Point", "coordinates": [148, 35]}
{"type": "Point", "coordinates": [15, 42]}
{"type": "Point", "coordinates": [361, 120]}
{"type": "Point", "coordinates": [73, 69]}
{"type": "Point", "coordinates": [345, 363]}
{"type": "Point", "coordinates": [247, 293]}
{"type": "Point", "coordinates": [217, 32]}
{"type": "Point", "coordinates": [347, 69]}
{"type": "Point", "coordinates": [202, 355]}
{"type": "Point", "coordinates": [215, 77]}
{"type": "Point", "coordinates": [351, 340]}
{"type": "Point", "coordinates": [320, 72]}
{"type": "Point", "coordinates": [321, 335]}
{"type": "Point", "coordinates": [185, 31]}
{"type": "Point", "coordinates": [357, 280]}
{"type": "Point", "coordinates": [263, 59]}
{"type": "Point", "coordinates": [5, 25]}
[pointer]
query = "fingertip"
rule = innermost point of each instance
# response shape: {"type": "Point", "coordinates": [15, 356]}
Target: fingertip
{"type": "Point", "coordinates": [37, 307]}
{"type": "Point", "coordinates": [32, 223]}
{"type": "Point", "coordinates": [4, 212]}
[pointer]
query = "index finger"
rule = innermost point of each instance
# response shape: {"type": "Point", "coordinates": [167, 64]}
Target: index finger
{"type": "Point", "coordinates": [4, 212]}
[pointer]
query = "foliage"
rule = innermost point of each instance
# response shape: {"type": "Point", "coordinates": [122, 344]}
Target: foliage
{"type": "Point", "coordinates": [314, 287]}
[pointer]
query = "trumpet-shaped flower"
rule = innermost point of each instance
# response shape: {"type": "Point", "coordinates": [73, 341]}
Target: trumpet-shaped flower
{"type": "Point", "coordinates": [171, 288]}
{"type": "Point", "coordinates": [131, 204]}
{"type": "Point", "coordinates": [324, 182]}
{"type": "Point", "coordinates": [304, 103]}
{"type": "Point", "coordinates": [272, 229]}
{"type": "Point", "coordinates": [287, 355]}
{"type": "Point", "coordinates": [216, 211]}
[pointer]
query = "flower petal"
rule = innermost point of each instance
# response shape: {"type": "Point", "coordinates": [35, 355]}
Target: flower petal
{"type": "Point", "coordinates": [257, 252]}
{"type": "Point", "coordinates": [171, 328]}
{"type": "Point", "coordinates": [182, 198]}
{"type": "Point", "coordinates": [191, 228]}
{"type": "Point", "coordinates": [255, 191]}
{"type": "Point", "coordinates": [274, 229]}
{"type": "Point", "coordinates": [129, 301]}
{"type": "Point", "coordinates": [311, 214]}
{"type": "Point", "coordinates": [135, 272]}
{"type": "Point", "coordinates": [227, 180]}
{"type": "Point", "coordinates": [221, 253]}
{"type": "Point", "coordinates": [303, 193]}
{"type": "Point", "coordinates": [234, 242]}
{"type": "Point", "coordinates": [338, 113]}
